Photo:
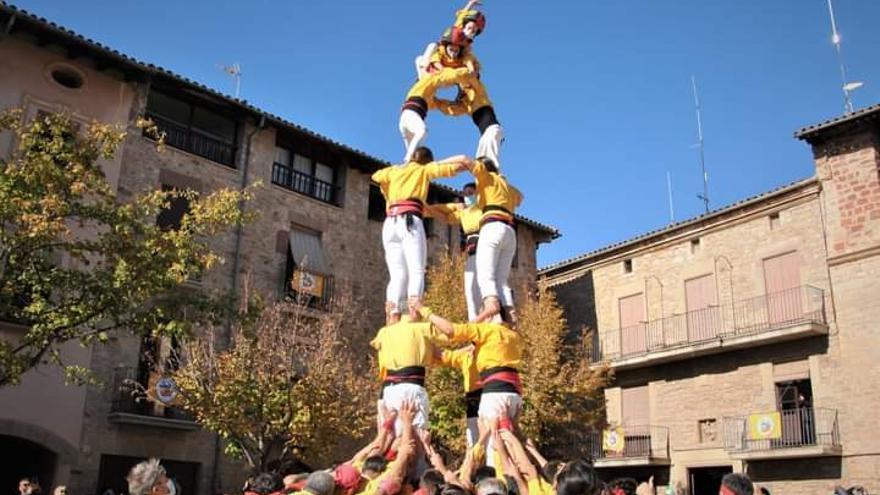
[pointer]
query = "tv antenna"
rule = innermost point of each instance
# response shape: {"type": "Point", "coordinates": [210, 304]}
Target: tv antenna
{"type": "Point", "coordinates": [705, 196]}
{"type": "Point", "coordinates": [234, 70]}
{"type": "Point", "coordinates": [847, 85]}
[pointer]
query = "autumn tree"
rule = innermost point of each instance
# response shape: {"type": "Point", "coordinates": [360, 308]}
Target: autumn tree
{"type": "Point", "coordinates": [563, 395]}
{"type": "Point", "coordinates": [293, 385]}
{"type": "Point", "coordinates": [76, 264]}
{"type": "Point", "coordinates": [445, 295]}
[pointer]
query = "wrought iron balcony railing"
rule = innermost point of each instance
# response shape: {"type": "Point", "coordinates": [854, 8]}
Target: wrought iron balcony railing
{"type": "Point", "coordinates": [801, 427]}
{"type": "Point", "coordinates": [630, 442]}
{"type": "Point", "coordinates": [799, 305]}
{"type": "Point", "coordinates": [195, 141]}
{"type": "Point", "coordinates": [309, 185]}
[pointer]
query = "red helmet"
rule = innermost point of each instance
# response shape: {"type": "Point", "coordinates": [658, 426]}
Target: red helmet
{"type": "Point", "coordinates": [454, 36]}
{"type": "Point", "coordinates": [476, 17]}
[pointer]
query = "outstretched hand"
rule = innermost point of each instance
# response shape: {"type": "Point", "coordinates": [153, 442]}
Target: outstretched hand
{"type": "Point", "coordinates": [646, 488]}
{"type": "Point", "coordinates": [408, 412]}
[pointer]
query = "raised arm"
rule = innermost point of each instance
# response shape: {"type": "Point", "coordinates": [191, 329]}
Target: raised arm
{"type": "Point", "coordinates": [533, 451]}
{"type": "Point", "coordinates": [443, 325]}
{"type": "Point", "coordinates": [510, 469]}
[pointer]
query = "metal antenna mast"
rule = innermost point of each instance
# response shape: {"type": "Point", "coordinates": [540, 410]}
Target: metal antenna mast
{"type": "Point", "coordinates": [234, 70]}
{"type": "Point", "coordinates": [705, 196]}
{"type": "Point", "coordinates": [847, 86]}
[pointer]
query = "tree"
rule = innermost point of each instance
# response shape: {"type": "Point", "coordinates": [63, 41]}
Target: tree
{"type": "Point", "coordinates": [563, 395]}
{"type": "Point", "coordinates": [445, 295]}
{"type": "Point", "coordinates": [294, 384]}
{"type": "Point", "coordinates": [76, 264]}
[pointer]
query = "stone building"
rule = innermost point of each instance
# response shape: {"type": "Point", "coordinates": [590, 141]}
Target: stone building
{"type": "Point", "coordinates": [746, 339]}
{"type": "Point", "coordinates": [317, 203]}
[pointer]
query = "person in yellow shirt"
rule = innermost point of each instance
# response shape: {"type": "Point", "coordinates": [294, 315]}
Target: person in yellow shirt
{"type": "Point", "coordinates": [405, 351]}
{"type": "Point", "coordinates": [468, 216]}
{"type": "Point", "coordinates": [469, 21]}
{"type": "Point", "coordinates": [497, 357]}
{"type": "Point", "coordinates": [419, 100]}
{"type": "Point", "coordinates": [463, 360]}
{"type": "Point", "coordinates": [405, 189]}
{"type": "Point", "coordinates": [498, 200]}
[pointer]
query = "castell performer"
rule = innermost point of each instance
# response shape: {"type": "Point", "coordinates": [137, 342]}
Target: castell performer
{"type": "Point", "coordinates": [496, 248]}
{"type": "Point", "coordinates": [497, 356]}
{"type": "Point", "coordinates": [405, 188]}
{"type": "Point", "coordinates": [419, 100]}
{"type": "Point", "coordinates": [468, 216]}
{"type": "Point", "coordinates": [464, 360]}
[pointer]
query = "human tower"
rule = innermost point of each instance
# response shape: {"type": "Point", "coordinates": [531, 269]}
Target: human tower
{"type": "Point", "coordinates": [489, 346]}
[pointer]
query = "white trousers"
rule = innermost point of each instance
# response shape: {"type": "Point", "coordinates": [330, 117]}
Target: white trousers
{"type": "Point", "coordinates": [495, 252]}
{"type": "Point", "coordinates": [490, 144]}
{"type": "Point", "coordinates": [473, 431]}
{"type": "Point", "coordinates": [492, 404]}
{"type": "Point", "coordinates": [394, 395]}
{"type": "Point", "coordinates": [406, 254]}
{"type": "Point", "coordinates": [471, 288]}
{"type": "Point", "coordinates": [413, 129]}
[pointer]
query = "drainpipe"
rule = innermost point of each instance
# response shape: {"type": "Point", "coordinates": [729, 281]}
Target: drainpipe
{"type": "Point", "coordinates": [8, 28]}
{"type": "Point", "coordinates": [235, 265]}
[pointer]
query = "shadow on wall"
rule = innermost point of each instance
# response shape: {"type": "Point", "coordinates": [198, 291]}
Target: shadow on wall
{"type": "Point", "coordinates": [578, 301]}
{"type": "Point", "coordinates": [828, 468]}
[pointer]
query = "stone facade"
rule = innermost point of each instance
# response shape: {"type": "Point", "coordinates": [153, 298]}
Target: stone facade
{"type": "Point", "coordinates": [707, 370]}
{"type": "Point", "coordinates": [82, 426]}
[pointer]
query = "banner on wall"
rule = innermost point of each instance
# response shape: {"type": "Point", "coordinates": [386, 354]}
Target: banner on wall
{"type": "Point", "coordinates": [765, 426]}
{"type": "Point", "coordinates": [613, 440]}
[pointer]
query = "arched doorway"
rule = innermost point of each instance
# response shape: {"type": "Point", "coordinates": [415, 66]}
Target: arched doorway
{"type": "Point", "coordinates": [24, 458]}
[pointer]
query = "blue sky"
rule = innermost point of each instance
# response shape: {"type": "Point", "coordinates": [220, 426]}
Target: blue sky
{"type": "Point", "coordinates": [595, 96]}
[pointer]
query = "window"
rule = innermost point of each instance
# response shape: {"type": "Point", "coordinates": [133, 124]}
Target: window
{"type": "Point", "coordinates": [708, 430]}
{"type": "Point", "coordinates": [304, 175]}
{"type": "Point", "coordinates": [627, 266]}
{"type": "Point", "coordinates": [695, 245]}
{"type": "Point", "coordinates": [774, 220]}
{"type": "Point", "coordinates": [148, 389]}
{"type": "Point", "coordinates": [67, 76]}
{"type": "Point", "coordinates": [307, 276]}
{"type": "Point", "coordinates": [193, 128]}
{"type": "Point", "coordinates": [633, 332]}
{"type": "Point", "coordinates": [376, 207]}
{"type": "Point", "coordinates": [171, 218]}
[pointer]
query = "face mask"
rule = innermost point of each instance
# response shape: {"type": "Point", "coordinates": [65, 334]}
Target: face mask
{"type": "Point", "coordinates": [470, 200]}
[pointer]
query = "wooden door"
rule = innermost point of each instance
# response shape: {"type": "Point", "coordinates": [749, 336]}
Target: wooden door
{"type": "Point", "coordinates": [632, 324]}
{"type": "Point", "coordinates": [702, 320]}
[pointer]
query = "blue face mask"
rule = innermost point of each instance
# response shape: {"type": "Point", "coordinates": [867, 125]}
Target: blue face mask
{"type": "Point", "coordinates": [470, 201]}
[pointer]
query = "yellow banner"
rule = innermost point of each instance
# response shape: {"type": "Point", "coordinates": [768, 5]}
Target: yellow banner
{"type": "Point", "coordinates": [613, 440]}
{"type": "Point", "coordinates": [308, 283]}
{"type": "Point", "coordinates": [765, 426]}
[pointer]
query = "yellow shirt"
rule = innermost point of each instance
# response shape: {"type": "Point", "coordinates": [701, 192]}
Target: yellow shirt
{"type": "Point", "coordinates": [442, 59]}
{"type": "Point", "coordinates": [426, 87]}
{"type": "Point", "coordinates": [496, 345]}
{"type": "Point", "coordinates": [538, 486]}
{"type": "Point", "coordinates": [410, 181]}
{"type": "Point", "coordinates": [405, 344]}
{"type": "Point", "coordinates": [494, 190]}
{"type": "Point", "coordinates": [469, 217]}
{"type": "Point", "coordinates": [463, 359]}
{"type": "Point", "coordinates": [372, 486]}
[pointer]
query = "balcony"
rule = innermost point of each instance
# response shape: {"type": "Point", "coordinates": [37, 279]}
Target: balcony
{"type": "Point", "coordinates": [195, 141]}
{"type": "Point", "coordinates": [636, 445]}
{"type": "Point", "coordinates": [130, 406]}
{"type": "Point", "coordinates": [791, 314]}
{"type": "Point", "coordinates": [296, 181]}
{"type": "Point", "coordinates": [802, 432]}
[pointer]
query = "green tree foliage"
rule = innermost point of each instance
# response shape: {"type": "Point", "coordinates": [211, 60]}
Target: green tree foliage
{"type": "Point", "coordinates": [294, 384]}
{"type": "Point", "coordinates": [445, 295]}
{"type": "Point", "coordinates": [75, 263]}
